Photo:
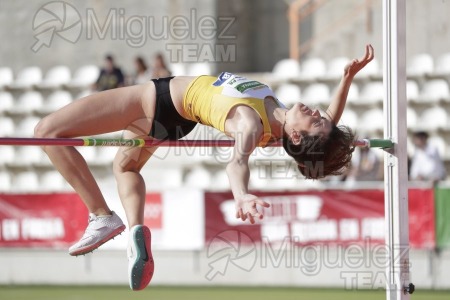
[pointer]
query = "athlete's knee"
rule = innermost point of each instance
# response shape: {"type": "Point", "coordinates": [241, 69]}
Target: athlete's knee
{"type": "Point", "coordinates": [117, 168]}
{"type": "Point", "coordinates": [131, 160]}
{"type": "Point", "coordinates": [123, 164]}
{"type": "Point", "coordinates": [44, 129]}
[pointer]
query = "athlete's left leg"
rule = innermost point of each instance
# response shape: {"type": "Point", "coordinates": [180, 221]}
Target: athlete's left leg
{"type": "Point", "coordinates": [127, 165]}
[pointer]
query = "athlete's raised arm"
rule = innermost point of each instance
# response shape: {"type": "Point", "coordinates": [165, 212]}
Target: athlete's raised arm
{"type": "Point", "coordinates": [337, 105]}
{"type": "Point", "coordinates": [246, 134]}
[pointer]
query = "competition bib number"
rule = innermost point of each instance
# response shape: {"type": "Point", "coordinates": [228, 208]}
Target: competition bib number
{"type": "Point", "coordinates": [241, 84]}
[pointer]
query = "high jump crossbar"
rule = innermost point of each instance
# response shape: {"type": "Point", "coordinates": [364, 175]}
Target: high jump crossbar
{"type": "Point", "coordinates": [97, 142]}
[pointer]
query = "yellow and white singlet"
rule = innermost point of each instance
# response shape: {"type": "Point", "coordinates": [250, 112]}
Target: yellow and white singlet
{"type": "Point", "coordinates": [209, 99]}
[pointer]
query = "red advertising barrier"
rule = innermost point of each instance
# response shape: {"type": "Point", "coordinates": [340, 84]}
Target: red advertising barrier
{"type": "Point", "coordinates": [322, 217]}
{"type": "Point", "coordinates": [153, 213]}
{"type": "Point", "coordinates": [38, 220]}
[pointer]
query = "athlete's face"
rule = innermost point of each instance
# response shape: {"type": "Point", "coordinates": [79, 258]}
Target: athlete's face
{"type": "Point", "coordinates": [304, 120]}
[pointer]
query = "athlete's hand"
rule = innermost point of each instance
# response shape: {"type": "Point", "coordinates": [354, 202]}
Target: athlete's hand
{"type": "Point", "coordinates": [357, 64]}
{"type": "Point", "coordinates": [246, 207]}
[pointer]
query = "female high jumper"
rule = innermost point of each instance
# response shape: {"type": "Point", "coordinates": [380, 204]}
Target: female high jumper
{"type": "Point", "coordinates": [245, 110]}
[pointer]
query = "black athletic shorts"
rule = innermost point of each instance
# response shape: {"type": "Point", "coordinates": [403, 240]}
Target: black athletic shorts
{"type": "Point", "coordinates": [167, 123]}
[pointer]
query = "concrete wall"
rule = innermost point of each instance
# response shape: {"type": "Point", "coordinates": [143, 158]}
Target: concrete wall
{"type": "Point", "coordinates": [260, 28]}
{"type": "Point", "coordinates": [18, 37]}
{"type": "Point", "coordinates": [19, 266]}
{"type": "Point", "coordinates": [262, 33]}
{"type": "Point", "coordinates": [428, 29]}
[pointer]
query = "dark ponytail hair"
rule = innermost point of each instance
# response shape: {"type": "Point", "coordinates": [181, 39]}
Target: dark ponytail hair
{"type": "Point", "coordinates": [319, 156]}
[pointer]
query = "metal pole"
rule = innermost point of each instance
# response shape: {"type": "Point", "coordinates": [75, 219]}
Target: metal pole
{"type": "Point", "coordinates": [396, 182]}
{"type": "Point", "coordinates": [294, 31]}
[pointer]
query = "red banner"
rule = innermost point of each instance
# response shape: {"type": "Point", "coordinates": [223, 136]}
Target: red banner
{"type": "Point", "coordinates": [322, 217]}
{"type": "Point", "coordinates": [153, 212]}
{"type": "Point", "coordinates": [38, 220]}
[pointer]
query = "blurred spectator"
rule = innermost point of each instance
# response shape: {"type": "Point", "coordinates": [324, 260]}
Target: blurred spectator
{"type": "Point", "coordinates": [142, 74]}
{"type": "Point", "coordinates": [159, 67]}
{"type": "Point", "coordinates": [110, 77]}
{"type": "Point", "coordinates": [426, 164]}
{"type": "Point", "coordinates": [366, 166]}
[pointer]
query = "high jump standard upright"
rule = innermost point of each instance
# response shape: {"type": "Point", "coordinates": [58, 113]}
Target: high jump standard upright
{"type": "Point", "coordinates": [398, 286]}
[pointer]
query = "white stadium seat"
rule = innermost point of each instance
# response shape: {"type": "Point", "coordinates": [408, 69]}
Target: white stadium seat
{"type": "Point", "coordinates": [105, 155]}
{"type": "Point", "coordinates": [261, 155]}
{"type": "Point", "coordinates": [371, 120]}
{"type": "Point", "coordinates": [7, 155]}
{"type": "Point", "coordinates": [197, 69]}
{"type": "Point", "coordinates": [372, 93]}
{"type": "Point", "coordinates": [28, 102]}
{"type": "Point", "coordinates": [220, 180]}
{"type": "Point", "coordinates": [288, 93]}
{"type": "Point", "coordinates": [25, 128]}
{"type": "Point", "coordinates": [202, 155]}
{"type": "Point", "coordinates": [83, 93]}
{"type": "Point", "coordinates": [7, 127]}
{"type": "Point", "coordinates": [349, 118]}
{"type": "Point", "coordinates": [89, 154]}
{"type": "Point", "coordinates": [6, 77]}
{"type": "Point", "coordinates": [442, 66]}
{"type": "Point", "coordinates": [258, 182]}
{"type": "Point", "coordinates": [371, 69]}
{"type": "Point", "coordinates": [285, 176]}
{"type": "Point", "coordinates": [6, 102]}
{"type": "Point", "coordinates": [55, 101]}
{"type": "Point", "coordinates": [433, 118]}
{"type": "Point", "coordinates": [28, 155]}
{"type": "Point", "coordinates": [411, 118]}
{"type": "Point", "coordinates": [5, 181]}
{"type": "Point", "coordinates": [198, 178]}
{"type": "Point", "coordinates": [313, 68]}
{"type": "Point", "coordinates": [420, 64]}
{"type": "Point", "coordinates": [353, 93]}
{"type": "Point", "coordinates": [178, 69]}
{"type": "Point", "coordinates": [25, 182]}
{"type": "Point", "coordinates": [336, 67]}
{"type": "Point", "coordinates": [56, 77]}
{"type": "Point", "coordinates": [287, 69]}
{"type": "Point", "coordinates": [85, 76]}
{"type": "Point", "coordinates": [434, 91]}
{"type": "Point", "coordinates": [162, 178]}
{"type": "Point", "coordinates": [45, 161]}
{"type": "Point", "coordinates": [412, 90]}
{"type": "Point", "coordinates": [27, 78]}
{"type": "Point", "coordinates": [52, 181]}
{"type": "Point", "coordinates": [316, 93]}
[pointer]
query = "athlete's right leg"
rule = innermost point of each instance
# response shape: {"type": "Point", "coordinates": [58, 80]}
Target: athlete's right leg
{"type": "Point", "coordinates": [96, 114]}
{"type": "Point", "coordinates": [99, 113]}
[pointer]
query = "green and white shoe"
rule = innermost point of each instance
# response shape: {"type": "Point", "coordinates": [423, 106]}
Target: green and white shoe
{"type": "Point", "coordinates": [140, 259]}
